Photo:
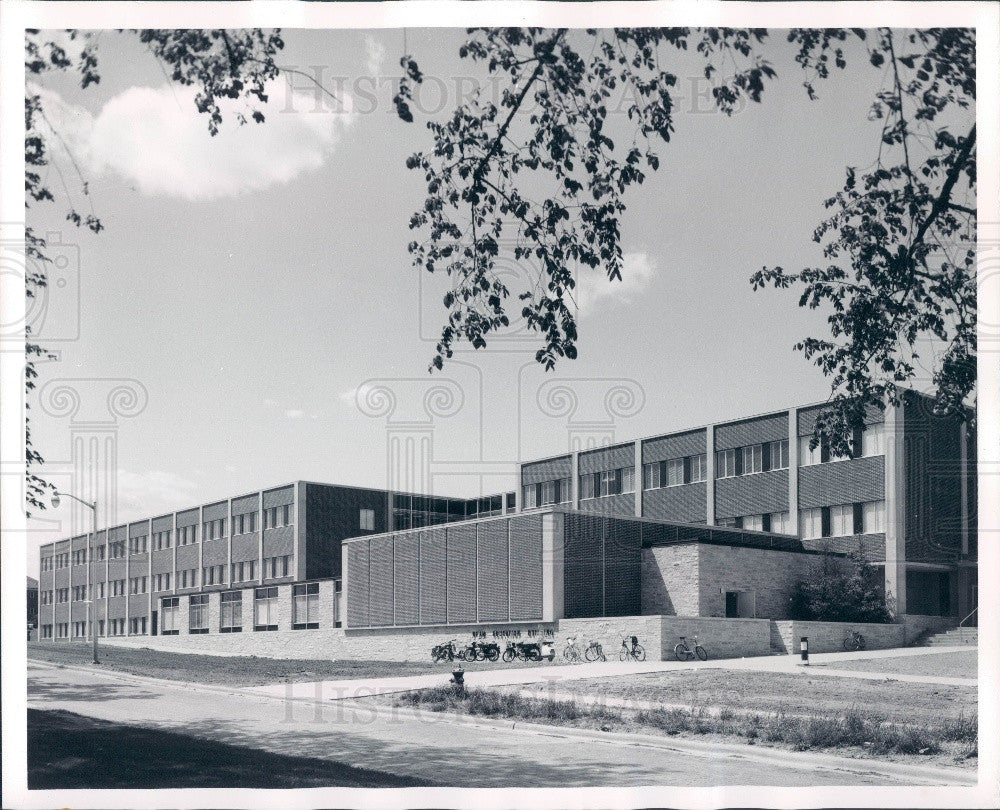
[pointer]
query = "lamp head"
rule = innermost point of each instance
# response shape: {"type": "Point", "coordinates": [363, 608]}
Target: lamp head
{"type": "Point", "coordinates": [55, 500]}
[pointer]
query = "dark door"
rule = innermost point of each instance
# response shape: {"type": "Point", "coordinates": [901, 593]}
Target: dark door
{"type": "Point", "coordinates": [732, 605]}
{"type": "Point", "coordinates": [153, 622]}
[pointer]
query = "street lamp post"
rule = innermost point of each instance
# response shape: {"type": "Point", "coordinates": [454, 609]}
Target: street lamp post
{"type": "Point", "coordinates": [92, 505]}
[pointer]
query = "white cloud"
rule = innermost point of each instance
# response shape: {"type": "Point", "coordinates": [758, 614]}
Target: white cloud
{"type": "Point", "coordinates": [375, 52]}
{"type": "Point", "coordinates": [156, 139]}
{"type": "Point", "coordinates": [294, 413]}
{"type": "Point", "coordinates": [594, 290]}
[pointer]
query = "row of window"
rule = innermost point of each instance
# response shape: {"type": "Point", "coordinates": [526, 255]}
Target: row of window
{"type": "Point", "coordinates": [779, 522]}
{"type": "Point", "coordinates": [675, 471]}
{"type": "Point", "coordinates": [545, 493]}
{"type": "Point", "coordinates": [753, 458]}
{"type": "Point", "coordinates": [212, 529]}
{"type": "Point", "coordinates": [869, 441]}
{"type": "Point", "coordinates": [826, 521]}
{"type": "Point", "coordinates": [274, 567]}
{"type": "Point", "coordinates": [305, 610]}
{"type": "Point", "coordinates": [607, 482]}
{"type": "Point", "coordinates": [842, 520]}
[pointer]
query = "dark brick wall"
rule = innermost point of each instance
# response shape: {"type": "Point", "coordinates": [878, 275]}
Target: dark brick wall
{"type": "Point", "coordinates": [677, 445]}
{"type": "Point", "coordinates": [215, 511]}
{"type": "Point", "coordinates": [607, 458]}
{"type": "Point", "coordinates": [839, 482]}
{"type": "Point", "coordinates": [333, 515]}
{"type": "Point", "coordinates": [550, 469]}
{"type": "Point", "coordinates": [933, 484]}
{"type": "Point", "coordinates": [751, 431]}
{"type": "Point", "coordinates": [755, 494]}
{"type": "Point", "coordinates": [685, 503]}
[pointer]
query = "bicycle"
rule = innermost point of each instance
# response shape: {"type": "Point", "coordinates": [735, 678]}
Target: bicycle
{"type": "Point", "coordinates": [595, 652]}
{"type": "Point", "coordinates": [571, 652]}
{"type": "Point", "coordinates": [854, 641]}
{"type": "Point", "coordinates": [686, 653]}
{"type": "Point", "coordinates": [636, 652]}
{"type": "Point", "coordinates": [444, 652]}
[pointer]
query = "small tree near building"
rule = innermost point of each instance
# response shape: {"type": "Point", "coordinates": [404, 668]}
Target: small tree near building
{"type": "Point", "coordinates": [841, 589]}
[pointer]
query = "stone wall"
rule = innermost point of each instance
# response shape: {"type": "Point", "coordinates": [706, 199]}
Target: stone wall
{"type": "Point", "coordinates": [692, 579]}
{"type": "Point", "coordinates": [721, 638]}
{"type": "Point", "coordinates": [829, 636]}
{"type": "Point", "coordinates": [670, 580]}
{"type": "Point", "coordinates": [770, 575]}
{"type": "Point", "coordinates": [914, 626]}
{"type": "Point", "coordinates": [610, 632]}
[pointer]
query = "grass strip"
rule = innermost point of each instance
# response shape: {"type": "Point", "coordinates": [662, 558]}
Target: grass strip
{"type": "Point", "coordinates": [855, 727]}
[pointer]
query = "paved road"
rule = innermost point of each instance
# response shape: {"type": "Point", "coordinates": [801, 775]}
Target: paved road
{"type": "Point", "coordinates": [551, 676]}
{"type": "Point", "coordinates": [456, 751]}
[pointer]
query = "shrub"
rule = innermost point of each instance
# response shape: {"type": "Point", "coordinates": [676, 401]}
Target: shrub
{"type": "Point", "coordinates": [841, 590]}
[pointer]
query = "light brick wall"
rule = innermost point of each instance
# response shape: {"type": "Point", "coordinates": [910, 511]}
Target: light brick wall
{"type": "Point", "coordinates": [914, 626]}
{"type": "Point", "coordinates": [829, 636]}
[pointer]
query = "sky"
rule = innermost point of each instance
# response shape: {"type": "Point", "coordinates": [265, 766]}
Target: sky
{"type": "Point", "coordinates": [256, 292]}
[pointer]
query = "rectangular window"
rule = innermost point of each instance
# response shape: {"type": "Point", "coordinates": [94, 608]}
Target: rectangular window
{"type": "Point", "coordinates": [651, 475]}
{"type": "Point", "coordinates": [627, 480]}
{"type": "Point", "coordinates": [198, 613]}
{"type": "Point", "coordinates": [548, 493]}
{"type": "Point", "coordinates": [528, 497]}
{"type": "Point", "coordinates": [265, 608]}
{"type": "Point", "coordinates": [170, 616]}
{"type": "Point", "coordinates": [586, 486]}
{"type": "Point", "coordinates": [841, 520]}
{"type": "Point", "coordinates": [807, 456]}
{"type": "Point", "coordinates": [675, 472]}
{"type": "Point", "coordinates": [608, 483]}
{"type": "Point", "coordinates": [811, 523]}
{"type": "Point", "coordinates": [780, 522]}
{"type": "Point", "coordinates": [232, 612]}
{"type": "Point", "coordinates": [753, 459]}
{"type": "Point", "coordinates": [565, 490]}
{"type": "Point", "coordinates": [286, 514]}
{"type": "Point", "coordinates": [367, 520]}
{"type": "Point", "coordinates": [777, 455]}
{"type": "Point", "coordinates": [872, 440]}
{"type": "Point", "coordinates": [699, 468]}
{"type": "Point", "coordinates": [873, 517]}
{"type": "Point", "coordinates": [753, 522]}
{"type": "Point", "coordinates": [305, 606]}
{"type": "Point", "coordinates": [725, 463]}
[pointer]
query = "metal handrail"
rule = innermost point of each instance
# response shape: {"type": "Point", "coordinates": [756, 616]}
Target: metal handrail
{"type": "Point", "coordinates": [961, 623]}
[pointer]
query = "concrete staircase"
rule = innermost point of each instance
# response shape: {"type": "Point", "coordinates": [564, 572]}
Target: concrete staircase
{"type": "Point", "coordinates": [952, 638]}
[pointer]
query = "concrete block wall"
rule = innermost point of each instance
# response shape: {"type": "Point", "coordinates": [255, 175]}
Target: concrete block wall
{"type": "Point", "coordinates": [829, 636]}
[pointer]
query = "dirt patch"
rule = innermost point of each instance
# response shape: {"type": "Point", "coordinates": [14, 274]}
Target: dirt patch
{"type": "Point", "coordinates": [790, 693]}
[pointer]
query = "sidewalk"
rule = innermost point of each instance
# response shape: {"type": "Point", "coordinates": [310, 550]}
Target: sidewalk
{"type": "Point", "coordinates": [551, 675]}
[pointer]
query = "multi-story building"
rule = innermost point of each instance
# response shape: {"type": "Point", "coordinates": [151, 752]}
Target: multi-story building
{"type": "Point", "coordinates": [268, 538]}
{"type": "Point", "coordinates": [906, 498]}
{"type": "Point", "coordinates": [720, 520]}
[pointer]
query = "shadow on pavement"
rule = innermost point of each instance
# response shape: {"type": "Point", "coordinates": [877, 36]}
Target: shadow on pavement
{"type": "Point", "coordinates": [67, 750]}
